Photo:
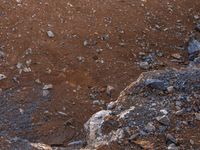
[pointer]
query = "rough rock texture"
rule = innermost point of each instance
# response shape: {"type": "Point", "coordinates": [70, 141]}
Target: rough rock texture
{"type": "Point", "coordinates": [147, 115]}
{"type": "Point", "coordinates": [21, 144]}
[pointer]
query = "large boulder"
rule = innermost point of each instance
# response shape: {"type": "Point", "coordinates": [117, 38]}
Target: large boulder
{"type": "Point", "coordinates": [158, 104]}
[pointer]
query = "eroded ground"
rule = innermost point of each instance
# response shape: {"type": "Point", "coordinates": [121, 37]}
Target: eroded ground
{"type": "Point", "coordinates": [96, 44]}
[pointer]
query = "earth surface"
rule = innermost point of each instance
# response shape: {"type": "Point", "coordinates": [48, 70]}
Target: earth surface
{"type": "Point", "coordinates": [65, 60]}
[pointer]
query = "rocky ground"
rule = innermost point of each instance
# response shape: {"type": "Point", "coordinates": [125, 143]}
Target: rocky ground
{"type": "Point", "coordinates": [62, 61]}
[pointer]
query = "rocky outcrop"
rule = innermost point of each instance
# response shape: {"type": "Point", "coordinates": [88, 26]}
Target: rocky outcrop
{"type": "Point", "coordinates": [156, 111]}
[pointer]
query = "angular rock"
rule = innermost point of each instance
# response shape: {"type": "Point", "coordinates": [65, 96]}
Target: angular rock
{"type": "Point", "coordinates": [164, 120]}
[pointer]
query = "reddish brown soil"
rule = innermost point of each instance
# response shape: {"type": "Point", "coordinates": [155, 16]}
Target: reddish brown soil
{"type": "Point", "coordinates": [129, 25]}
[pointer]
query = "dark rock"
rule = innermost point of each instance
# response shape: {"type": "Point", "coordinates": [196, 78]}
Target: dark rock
{"type": "Point", "coordinates": [156, 84]}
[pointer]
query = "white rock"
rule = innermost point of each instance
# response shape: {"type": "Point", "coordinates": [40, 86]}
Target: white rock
{"type": "Point", "coordinates": [2, 76]}
{"type": "Point", "coordinates": [50, 34]}
{"type": "Point", "coordinates": [47, 87]}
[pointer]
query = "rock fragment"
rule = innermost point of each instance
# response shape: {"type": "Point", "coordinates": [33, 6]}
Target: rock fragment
{"type": "Point", "coordinates": [163, 120]}
{"type": "Point", "coordinates": [2, 77]}
{"type": "Point", "coordinates": [156, 84]}
{"type": "Point", "coordinates": [50, 34]}
{"type": "Point", "coordinates": [170, 139]}
{"type": "Point", "coordinates": [47, 87]}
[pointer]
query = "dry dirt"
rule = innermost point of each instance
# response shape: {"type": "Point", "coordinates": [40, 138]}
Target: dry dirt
{"type": "Point", "coordinates": [96, 44]}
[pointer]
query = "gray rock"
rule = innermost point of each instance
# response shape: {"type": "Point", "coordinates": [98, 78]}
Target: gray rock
{"type": "Point", "coordinates": [156, 84]}
{"type": "Point", "coordinates": [164, 120]}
